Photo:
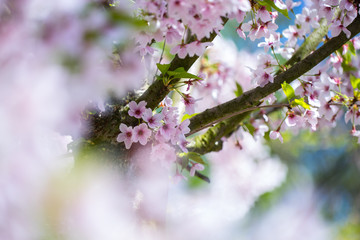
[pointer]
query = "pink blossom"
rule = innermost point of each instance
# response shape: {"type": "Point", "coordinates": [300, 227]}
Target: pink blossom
{"type": "Point", "coordinates": [311, 116]}
{"type": "Point", "coordinates": [292, 34]}
{"type": "Point", "coordinates": [337, 27]}
{"type": "Point", "coordinates": [272, 41]}
{"type": "Point", "coordinates": [196, 167]}
{"type": "Point", "coordinates": [180, 50]}
{"type": "Point", "coordinates": [126, 135]}
{"type": "Point", "coordinates": [241, 33]}
{"type": "Point", "coordinates": [346, 4]}
{"type": "Point", "coordinates": [260, 129]}
{"type": "Point", "coordinates": [181, 130]}
{"type": "Point", "coordinates": [326, 11]}
{"type": "Point", "coordinates": [349, 17]}
{"type": "Point", "coordinates": [353, 115]}
{"type": "Point", "coordinates": [182, 144]}
{"type": "Point", "coordinates": [170, 114]}
{"type": "Point", "coordinates": [252, 28]}
{"type": "Point", "coordinates": [197, 48]}
{"type": "Point", "coordinates": [183, 127]}
{"type": "Point", "coordinates": [152, 120]}
{"type": "Point", "coordinates": [290, 4]}
{"type": "Point", "coordinates": [163, 153]}
{"type": "Point", "coordinates": [263, 76]}
{"type": "Point", "coordinates": [276, 135]}
{"type": "Point", "coordinates": [356, 42]}
{"type": "Point", "coordinates": [293, 119]}
{"type": "Point", "coordinates": [145, 50]}
{"type": "Point", "coordinates": [172, 34]}
{"type": "Point", "coordinates": [263, 14]}
{"type": "Point", "coordinates": [137, 110]}
{"type": "Point", "coordinates": [178, 177]}
{"type": "Point", "coordinates": [328, 111]}
{"type": "Point", "coordinates": [168, 130]}
{"type": "Point", "coordinates": [141, 134]}
{"type": "Point", "coordinates": [336, 60]}
{"type": "Point", "coordinates": [238, 15]}
{"type": "Point", "coordinates": [189, 104]}
{"type": "Point", "coordinates": [308, 18]}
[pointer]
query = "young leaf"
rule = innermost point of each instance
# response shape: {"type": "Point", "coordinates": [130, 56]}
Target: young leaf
{"type": "Point", "coordinates": [270, 4]}
{"type": "Point", "coordinates": [187, 116]}
{"type": "Point", "coordinates": [163, 67]}
{"type": "Point", "coordinates": [355, 82]}
{"type": "Point", "coordinates": [184, 162]}
{"type": "Point", "coordinates": [239, 91]}
{"type": "Point", "coordinates": [351, 48]}
{"type": "Point", "coordinates": [181, 73]}
{"type": "Point", "coordinates": [301, 102]}
{"type": "Point", "coordinates": [288, 90]}
{"type": "Point", "coordinates": [196, 157]}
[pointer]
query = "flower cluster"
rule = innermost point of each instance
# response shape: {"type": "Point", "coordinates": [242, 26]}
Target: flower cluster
{"type": "Point", "coordinates": [162, 129]}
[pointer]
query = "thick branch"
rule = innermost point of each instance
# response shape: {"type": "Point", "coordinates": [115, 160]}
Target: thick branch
{"type": "Point", "coordinates": [252, 97]}
{"type": "Point", "coordinates": [310, 43]}
{"type": "Point", "coordinates": [157, 91]}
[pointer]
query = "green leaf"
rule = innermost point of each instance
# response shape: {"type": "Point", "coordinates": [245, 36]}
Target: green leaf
{"type": "Point", "coordinates": [185, 75]}
{"type": "Point", "coordinates": [348, 68]}
{"type": "Point", "coordinates": [187, 116]}
{"type": "Point", "coordinates": [239, 91]}
{"type": "Point", "coordinates": [184, 162]}
{"type": "Point", "coordinates": [250, 128]}
{"type": "Point", "coordinates": [270, 4]}
{"type": "Point", "coordinates": [163, 67]}
{"type": "Point", "coordinates": [196, 157]}
{"type": "Point", "coordinates": [118, 17]}
{"type": "Point", "coordinates": [300, 102]}
{"type": "Point", "coordinates": [181, 73]}
{"type": "Point", "coordinates": [288, 90]}
{"type": "Point", "coordinates": [351, 48]}
{"type": "Point", "coordinates": [355, 82]}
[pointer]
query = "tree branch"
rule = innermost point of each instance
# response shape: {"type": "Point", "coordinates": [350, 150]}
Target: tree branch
{"type": "Point", "coordinates": [252, 97]}
{"type": "Point", "coordinates": [157, 91]}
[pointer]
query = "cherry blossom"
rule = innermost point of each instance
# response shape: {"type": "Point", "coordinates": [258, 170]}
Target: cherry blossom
{"type": "Point", "coordinates": [137, 110]}
{"type": "Point", "coordinates": [263, 14]}
{"type": "Point", "coordinates": [178, 177]}
{"type": "Point", "coordinates": [293, 34]}
{"type": "Point", "coordinates": [271, 42]}
{"type": "Point", "coordinates": [153, 121]}
{"type": "Point", "coordinates": [353, 115]}
{"type": "Point", "coordinates": [197, 48]}
{"type": "Point", "coordinates": [189, 103]}
{"type": "Point", "coordinates": [196, 167]}
{"type": "Point", "coordinates": [337, 27]}
{"type": "Point", "coordinates": [308, 18]}
{"type": "Point", "coordinates": [180, 50]}
{"type": "Point", "coordinates": [263, 76]}
{"type": "Point", "coordinates": [126, 135]}
{"type": "Point", "coordinates": [290, 5]}
{"type": "Point", "coordinates": [164, 153]}
{"type": "Point", "coordinates": [326, 11]}
{"type": "Point", "coordinates": [311, 116]}
{"type": "Point", "coordinates": [167, 130]}
{"type": "Point", "coordinates": [293, 119]}
{"type": "Point", "coordinates": [346, 4]}
{"type": "Point", "coordinates": [141, 134]}
{"type": "Point", "coordinates": [276, 135]}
